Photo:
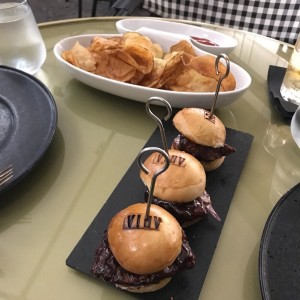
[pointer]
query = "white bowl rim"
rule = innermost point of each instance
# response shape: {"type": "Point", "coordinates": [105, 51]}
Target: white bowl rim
{"type": "Point", "coordinates": [230, 42]}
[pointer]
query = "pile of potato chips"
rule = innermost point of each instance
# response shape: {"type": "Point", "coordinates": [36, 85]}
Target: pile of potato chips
{"type": "Point", "coordinates": [133, 58]}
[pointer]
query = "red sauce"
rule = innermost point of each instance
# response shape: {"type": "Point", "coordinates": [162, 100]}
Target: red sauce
{"type": "Point", "coordinates": [204, 41]}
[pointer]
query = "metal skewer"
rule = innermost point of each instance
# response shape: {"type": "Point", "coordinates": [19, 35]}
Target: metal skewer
{"type": "Point", "coordinates": [164, 168]}
{"type": "Point", "coordinates": [159, 122]}
{"type": "Point", "coordinates": [222, 55]}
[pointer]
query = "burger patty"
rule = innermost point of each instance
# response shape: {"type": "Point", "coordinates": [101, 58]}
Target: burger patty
{"type": "Point", "coordinates": [189, 211]}
{"type": "Point", "coordinates": [106, 266]}
{"type": "Point", "coordinates": [201, 152]}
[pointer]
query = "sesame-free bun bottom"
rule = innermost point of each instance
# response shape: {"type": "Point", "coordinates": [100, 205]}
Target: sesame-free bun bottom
{"type": "Point", "coordinates": [145, 288]}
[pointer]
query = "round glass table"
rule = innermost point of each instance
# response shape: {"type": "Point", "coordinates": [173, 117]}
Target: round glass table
{"type": "Point", "coordinates": [98, 137]}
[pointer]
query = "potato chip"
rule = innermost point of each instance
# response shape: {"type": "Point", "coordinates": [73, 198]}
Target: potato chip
{"type": "Point", "coordinates": [99, 43]}
{"type": "Point", "coordinates": [112, 67]}
{"type": "Point", "coordinates": [183, 46]}
{"type": "Point", "coordinates": [205, 64]}
{"type": "Point", "coordinates": [173, 68]}
{"type": "Point", "coordinates": [157, 51]}
{"type": "Point", "coordinates": [153, 79]}
{"type": "Point", "coordinates": [200, 76]}
{"type": "Point", "coordinates": [135, 38]}
{"type": "Point", "coordinates": [141, 57]}
{"type": "Point", "coordinates": [118, 39]}
{"type": "Point", "coordinates": [80, 57]}
{"type": "Point", "coordinates": [120, 70]}
{"type": "Point", "coordinates": [137, 78]}
{"type": "Point", "coordinates": [192, 81]}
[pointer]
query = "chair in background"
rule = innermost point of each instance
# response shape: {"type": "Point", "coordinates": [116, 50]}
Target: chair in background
{"type": "Point", "coordinates": [79, 8]}
{"type": "Point", "coordinates": [95, 3]}
{"type": "Point", "coordinates": [118, 7]}
{"type": "Point", "coordinates": [279, 19]}
{"type": "Point", "coordinates": [124, 7]}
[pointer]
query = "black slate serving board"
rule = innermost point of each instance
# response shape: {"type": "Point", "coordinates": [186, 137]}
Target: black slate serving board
{"type": "Point", "coordinates": [203, 236]}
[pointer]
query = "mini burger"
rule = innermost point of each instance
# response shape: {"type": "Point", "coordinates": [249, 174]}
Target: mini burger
{"type": "Point", "coordinates": [201, 136]}
{"type": "Point", "coordinates": [141, 254]}
{"type": "Point", "coordinates": [181, 188]}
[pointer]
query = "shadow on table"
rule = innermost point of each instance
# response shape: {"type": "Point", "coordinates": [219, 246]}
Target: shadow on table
{"type": "Point", "coordinates": [19, 200]}
{"type": "Point", "coordinates": [98, 108]}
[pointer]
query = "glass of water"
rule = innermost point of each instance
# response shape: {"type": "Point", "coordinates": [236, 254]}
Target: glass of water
{"type": "Point", "coordinates": [21, 44]}
{"type": "Point", "coordinates": [290, 88]}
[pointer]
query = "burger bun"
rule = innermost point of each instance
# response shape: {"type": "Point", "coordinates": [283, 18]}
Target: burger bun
{"type": "Point", "coordinates": [146, 288]}
{"type": "Point", "coordinates": [182, 182]}
{"type": "Point", "coordinates": [212, 165]}
{"type": "Point", "coordinates": [195, 126]}
{"type": "Point", "coordinates": [142, 250]}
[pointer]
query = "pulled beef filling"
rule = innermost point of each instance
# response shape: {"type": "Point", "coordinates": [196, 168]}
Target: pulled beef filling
{"type": "Point", "coordinates": [186, 212]}
{"type": "Point", "coordinates": [106, 266]}
{"type": "Point", "coordinates": [201, 152]}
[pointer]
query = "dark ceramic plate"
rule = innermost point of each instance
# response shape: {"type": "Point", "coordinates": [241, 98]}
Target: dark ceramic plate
{"type": "Point", "coordinates": [279, 258]}
{"type": "Point", "coordinates": [203, 236]}
{"type": "Point", "coordinates": [28, 119]}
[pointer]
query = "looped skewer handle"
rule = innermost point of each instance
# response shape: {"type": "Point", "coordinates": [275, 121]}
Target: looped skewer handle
{"type": "Point", "coordinates": [156, 118]}
{"type": "Point", "coordinates": [222, 55]}
{"type": "Point", "coordinates": [164, 168]}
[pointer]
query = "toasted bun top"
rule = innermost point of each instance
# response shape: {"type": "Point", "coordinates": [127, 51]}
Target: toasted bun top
{"type": "Point", "coordinates": [142, 250]}
{"type": "Point", "coordinates": [192, 123]}
{"type": "Point", "coordinates": [183, 181]}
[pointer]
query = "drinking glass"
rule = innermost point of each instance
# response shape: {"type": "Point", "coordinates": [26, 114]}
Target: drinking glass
{"type": "Point", "coordinates": [290, 87]}
{"type": "Point", "coordinates": [21, 44]}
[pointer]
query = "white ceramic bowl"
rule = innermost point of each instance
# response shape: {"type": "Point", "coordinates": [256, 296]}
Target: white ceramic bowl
{"type": "Point", "coordinates": [225, 42]}
{"type": "Point", "coordinates": [142, 94]}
